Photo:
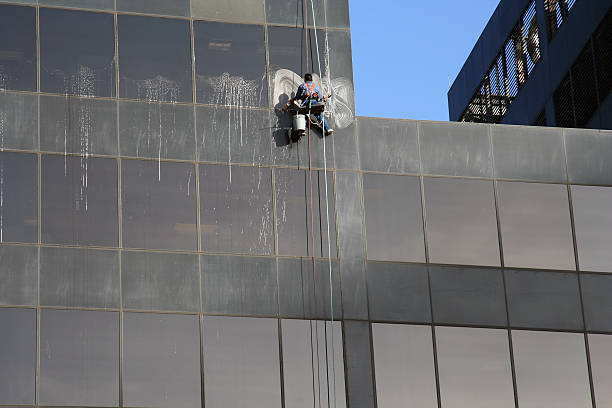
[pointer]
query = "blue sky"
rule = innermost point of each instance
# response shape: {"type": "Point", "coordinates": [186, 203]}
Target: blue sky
{"type": "Point", "coordinates": [404, 52]}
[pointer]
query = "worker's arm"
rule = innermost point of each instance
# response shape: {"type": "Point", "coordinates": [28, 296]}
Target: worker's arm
{"type": "Point", "coordinates": [289, 102]}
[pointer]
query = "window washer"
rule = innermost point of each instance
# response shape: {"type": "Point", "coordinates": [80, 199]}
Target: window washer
{"type": "Point", "coordinates": [310, 95]}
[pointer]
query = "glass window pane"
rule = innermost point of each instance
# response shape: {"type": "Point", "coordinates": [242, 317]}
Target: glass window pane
{"type": "Point", "coordinates": [73, 277]}
{"type": "Point", "coordinates": [300, 339]}
{"type": "Point", "coordinates": [169, 8]}
{"type": "Point", "coordinates": [161, 365]}
{"type": "Point", "coordinates": [154, 59]}
{"type": "Point", "coordinates": [340, 65]}
{"type": "Point", "coordinates": [78, 125]}
{"type": "Point", "coordinates": [230, 64]}
{"type": "Point", "coordinates": [551, 370]}
{"type": "Point", "coordinates": [79, 362]}
{"type": "Point", "coordinates": [543, 300]}
{"type": "Point", "coordinates": [588, 156]}
{"type": "Point", "coordinates": [600, 348]}
{"type": "Point", "coordinates": [18, 275]}
{"type": "Point", "coordinates": [474, 367]}
{"type": "Point", "coordinates": [597, 302]}
{"type": "Point", "coordinates": [239, 285]}
{"type": "Point", "coordinates": [18, 40]}
{"type": "Point", "coordinates": [293, 212]}
{"type": "Point", "coordinates": [461, 221]}
{"type": "Point", "coordinates": [394, 227]}
{"type": "Point", "coordinates": [18, 120]}
{"type": "Point", "coordinates": [18, 356]}
{"type": "Point", "coordinates": [239, 11]}
{"type": "Point", "coordinates": [291, 12]}
{"type": "Point", "coordinates": [338, 13]}
{"type": "Point", "coordinates": [159, 205]}
{"type": "Point", "coordinates": [359, 376]}
{"type": "Point", "coordinates": [236, 209]}
{"type": "Point", "coordinates": [77, 52]}
{"type": "Point", "coordinates": [160, 281]}
{"type": "Point", "coordinates": [535, 225]}
{"type": "Point", "coordinates": [593, 224]}
{"type": "Point", "coordinates": [19, 197]}
{"type": "Point", "coordinates": [89, 4]}
{"type": "Point", "coordinates": [79, 200]}
{"type": "Point", "coordinates": [241, 362]}
{"type": "Point", "coordinates": [404, 365]}
{"type": "Point", "coordinates": [156, 130]}
{"type": "Point", "coordinates": [398, 292]}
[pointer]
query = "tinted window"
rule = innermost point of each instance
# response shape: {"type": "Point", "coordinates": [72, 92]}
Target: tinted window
{"type": "Point", "coordinates": [77, 52]}
{"type": "Point", "coordinates": [18, 120]}
{"type": "Point", "coordinates": [172, 8]}
{"type": "Point", "coordinates": [79, 200]}
{"type": "Point", "coordinates": [236, 209]}
{"type": "Point", "coordinates": [338, 13]}
{"type": "Point", "coordinates": [18, 193]}
{"type": "Point", "coordinates": [359, 377]}
{"type": "Point", "coordinates": [597, 301]}
{"type": "Point", "coordinates": [159, 205]}
{"type": "Point", "coordinates": [154, 59]}
{"type": "Point", "coordinates": [588, 153]}
{"type": "Point", "coordinates": [247, 11]}
{"type": "Point", "coordinates": [91, 4]}
{"type": "Point", "coordinates": [18, 275]}
{"type": "Point", "coordinates": [600, 348]}
{"type": "Point", "coordinates": [18, 41]}
{"type": "Point", "coordinates": [291, 12]}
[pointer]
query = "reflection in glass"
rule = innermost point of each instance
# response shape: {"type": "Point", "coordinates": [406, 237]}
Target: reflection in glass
{"type": "Point", "coordinates": [597, 302]}
{"type": "Point", "coordinates": [90, 4]}
{"type": "Point", "coordinates": [600, 348]}
{"type": "Point", "coordinates": [18, 197]}
{"type": "Point", "coordinates": [236, 209]}
{"type": "Point", "coordinates": [161, 367]}
{"type": "Point", "coordinates": [18, 275]}
{"type": "Point", "coordinates": [241, 362]}
{"type": "Point", "coordinates": [404, 366]}
{"type": "Point", "coordinates": [474, 367]}
{"type": "Point", "coordinates": [77, 52]}
{"type": "Point", "coordinates": [169, 8]}
{"type": "Point", "coordinates": [301, 341]}
{"type": "Point", "coordinates": [159, 205]}
{"type": "Point", "coordinates": [338, 13]}
{"type": "Point", "coordinates": [291, 12]}
{"type": "Point", "coordinates": [240, 11]}
{"type": "Point", "coordinates": [18, 120]}
{"type": "Point", "coordinates": [388, 145]}
{"type": "Point", "coordinates": [18, 43]}
{"type": "Point", "coordinates": [588, 156]}
{"type": "Point", "coordinates": [551, 370]}
{"type": "Point", "coordinates": [393, 218]}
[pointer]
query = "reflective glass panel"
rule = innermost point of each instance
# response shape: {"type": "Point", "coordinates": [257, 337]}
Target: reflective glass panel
{"type": "Point", "coordinates": [461, 221]}
{"type": "Point", "coordinates": [79, 362]}
{"type": "Point", "coordinates": [159, 205]}
{"type": "Point", "coordinates": [17, 356]}
{"type": "Point", "coordinates": [18, 45]}
{"type": "Point", "coordinates": [169, 8]}
{"type": "Point", "coordinates": [161, 365]}
{"type": "Point", "coordinates": [154, 59]}
{"type": "Point", "coordinates": [230, 64]}
{"type": "Point", "coordinates": [393, 218]}
{"type": "Point", "coordinates": [241, 11]}
{"type": "Point", "coordinates": [588, 156]}
{"type": "Point", "coordinates": [236, 209]}
{"type": "Point", "coordinates": [404, 366]}
{"type": "Point", "coordinates": [90, 4]}
{"type": "Point", "coordinates": [18, 120]}
{"type": "Point", "coordinates": [551, 370]}
{"type": "Point", "coordinates": [291, 12]}
{"type": "Point", "coordinates": [535, 225]}
{"type": "Point", "coordinates": [79, 200]}
{"type": "Point", "coordinates": [18, 197]}
{"type": "Point", "coordinates": [338, 13]}
{"type": "Point", "coordinates": [359, 376]}
{"type": "Point", "coordinates": [474, 367]}
{"type": "Point", "coordinates": [77, 52]}
{"type": "Point", "coordinates": [18, 275]}
{"type": "Point", "coordinates": [597, 302]}
{"type": "Point", "coordinates": [600, 348]}
{"type": "Point", "coordinates": [241, 362]}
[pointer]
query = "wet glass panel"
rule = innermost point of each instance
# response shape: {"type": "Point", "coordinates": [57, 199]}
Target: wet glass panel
{"type": "Point", "coordinates": [230, 64]}
{"type": "Point", "coordinates": [18, 45]}
{"type": "Point", "coordinates": [388, 145]}
{"type": "Point", "coordinates": [600, 348]}
{"type": "Point", "coordinates": [293, 212]}
{"type": "Point", "coordinates": [154, 59]}
{"type": "Point", "coordinates": [393, 218]}
{"type": "Point", "coordinates": [468, 296]}
{"type": "Point", "coordinates": [291, 12]}
{"type": "Point", "coordinates": [398, 292]}
{"type": "Point", "coordinates": [77, 52]}
{"type": "Point", "coordinates": [236, 209]}
{"type": "Point", "coordinates": [299, 338]}
{"type": "Point", "coordinates": [156, 130]}
{"type": "Point", "coordinates": [233, 135]}
{"type": "Point", "coordinates": [404, 366]}
{"type": "Point", "coordinates": [455, 149]}
{"type": "Point", "coordinates": [461, 221]}
{"type": "Point", "coordinates": [535, 225]}
{"type": "Point", "coordinates": [169, 8]}
{"type": "Point", "coordinates": [159, 205]}
{"type": "Point", "coordinates": [338, 13]}
{"type": "Point", "coordinates": [18, 356]}
{"type": "Point", "coordinates": [474, 367]}
{"type": "Point", "coordinates": [159, 281]}
{"type": "Point", "coordinates": [79, 362]}
{"type": "Point", "coordinates": [79, 200]}
{"type": "Point", "coordinates": [71, 124]}
{"type": "Point", "coordinates": [74, 277]}
{"type": "Point", "coordinates": [89, 4]}
{"type": "Point", "coordinates": [548, 300]}
{"type": "Point", "coordinates": [551, 369]}
{"type": "Point", "coordinates": [345, 147]}
{"type": "Point", "coordinates": [588, 156]}
{"type": "Point", "coordinates": [18, 120]}
{"type": "Point", "coordinates": [241, 362]}
{"type": "Point", "coordinates": [239, 11]}
{"type": "Point", "coordinates": [340, 65]}
{"type": "Point", "coordinates": [161, 367]}
{"type": "Point", "coordinates": [528, 153]}
{"type": "Point", "coordinates": [597, 302]}
{"type": "Point", "coordinates": [19, 197]}
{"type": "Point", "coordinates": [239, 285]}
{"type": "Point", "coordinates": [593, 224]}
{"type": "Point", "coordinates": [18, 275]}
{"type": "Point", "coordinates": [359, 377]}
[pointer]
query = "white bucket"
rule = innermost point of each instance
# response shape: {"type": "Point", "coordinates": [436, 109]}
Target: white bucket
{"type": "Point", "coordinates": [299, 123]}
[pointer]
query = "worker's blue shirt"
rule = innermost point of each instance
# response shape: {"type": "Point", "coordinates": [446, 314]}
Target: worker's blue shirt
{"type": "Point", "coordinates": [302, 92]}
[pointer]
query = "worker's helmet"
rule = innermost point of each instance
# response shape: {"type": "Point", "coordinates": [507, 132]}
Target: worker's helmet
{"type": "Point", "coordinates": [307, 77]}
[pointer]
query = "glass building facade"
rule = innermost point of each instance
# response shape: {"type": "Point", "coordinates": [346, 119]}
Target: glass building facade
{"type": "Point", "coordinates": [162, 244]}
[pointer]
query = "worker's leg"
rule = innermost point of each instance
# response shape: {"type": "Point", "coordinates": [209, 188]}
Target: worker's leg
{"type": "Point", "coordinates": [322, 120]}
